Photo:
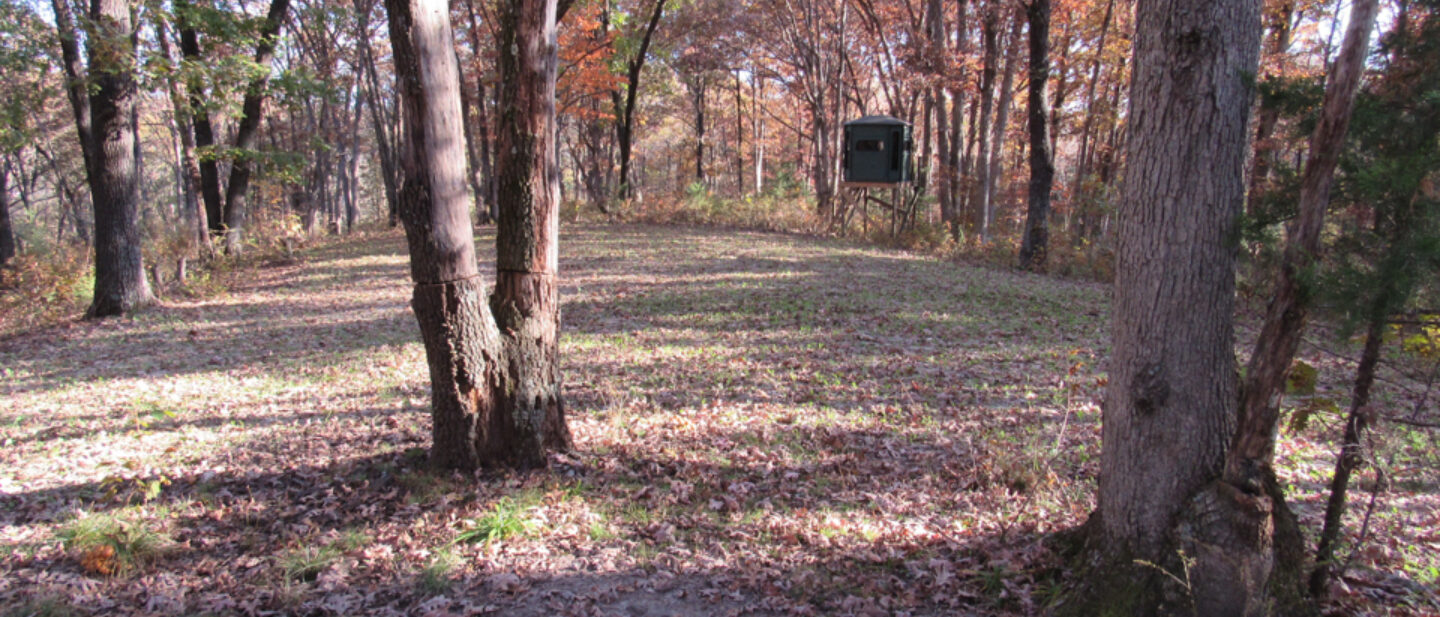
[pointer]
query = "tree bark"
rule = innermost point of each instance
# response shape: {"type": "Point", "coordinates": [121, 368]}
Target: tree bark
{"type": "Point", "coordinates": [526, 301]}
{"type": "Point", "coordinates": [1253, 452]}
{"type": "Point", "coordinates": [120, 283]}
{"type": "Point", "coordinates": [462, 342]}
{"type": "Point", "coordinates": [495, 397]}
{"type": "Point", "coordinates": [1169, 407]}
{"type": "Point", "coordinates": [250, 115]}
{"type": "Point", "coordinates": [1036, 240]}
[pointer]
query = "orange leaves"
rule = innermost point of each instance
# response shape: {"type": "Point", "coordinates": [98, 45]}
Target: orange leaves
{"type": "Point", "coordinates": [100, 560]}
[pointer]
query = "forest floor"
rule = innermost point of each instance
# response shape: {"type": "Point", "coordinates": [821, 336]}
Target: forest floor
{"type": "Point", "coordinates": [764, 424]}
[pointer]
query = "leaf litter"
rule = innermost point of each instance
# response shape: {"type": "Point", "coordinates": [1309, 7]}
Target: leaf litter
{"type": "Point", "coordinates": [765, 425]}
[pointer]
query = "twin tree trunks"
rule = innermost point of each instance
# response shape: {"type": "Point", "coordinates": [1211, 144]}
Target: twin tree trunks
{"type": "Point", "coordinates": [494, 370]}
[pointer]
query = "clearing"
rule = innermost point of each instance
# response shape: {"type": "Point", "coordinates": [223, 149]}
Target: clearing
{"type": "Point", "coordinates": [765, 424]}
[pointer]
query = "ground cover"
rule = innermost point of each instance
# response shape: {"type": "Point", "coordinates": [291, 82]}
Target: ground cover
{"type": "Point", "coordinates": [764, 424]}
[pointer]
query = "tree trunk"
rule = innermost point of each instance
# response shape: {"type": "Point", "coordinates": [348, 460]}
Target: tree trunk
{"type": "Point", "coordinates": [190, 167]}
{"type": "Point", "coordinates": [204, 129]}
{"type": "Point", "coordinates": [1002, 122]}
{"type": "Point", "coordinates": [496, 398]}
{"type": "Point", "coordinates": [757, 128]}
{"type": "Point", "coordinates": [981, 207]}
{"type": "Point", "coordinates": [1082, 159]}
{"type": "Point", "coordinates": [1036, 240]}
{"type": "Point", "coordinates": [120, 283]}
{"type": "Point", "coordinates": [250, 116]}
{"type": "Point", "coordinates": [1253, 451]}
{"type": "Point", "coordinates": [1169, 408]}
{"type": "Point", "coordinates": [697, 98]}
{"type": "Point", "coordinates": [527, 301]}
{"type": "Point", "coordinates": [1269, 114]}
{"type": "Point", "coordinates": [625, 111]}
{"type": "Point", "coordinates": [462, 342]}
{"type": "Point", "coordinates": [1357, 421]}
{"type": "Point", "coordinates": [7, 235]}
{"type": "Point", "coordinates": [379, 119]}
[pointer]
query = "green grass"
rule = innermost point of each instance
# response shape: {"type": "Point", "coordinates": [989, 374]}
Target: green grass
{"type": "Point", "coordinates": [507, 519]}
{"type": "Point", "coordinates": [136, 542]}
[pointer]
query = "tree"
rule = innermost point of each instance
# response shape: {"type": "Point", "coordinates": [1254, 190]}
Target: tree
{"type": "Point", "coordinates": [1390, 176]}
{"type": "Point", "coordinates": [120, 283]}
{"type": "Point", "coordinates": [625, 105]}
{"type": "Point", "coordinates": [495, 399]}
{"type": "Point", "coordinates": [1036, 239]}
{"type": "Point", "coordinates": [1169, 409]}
{"type": "Point", "coordinates": [227, 216]}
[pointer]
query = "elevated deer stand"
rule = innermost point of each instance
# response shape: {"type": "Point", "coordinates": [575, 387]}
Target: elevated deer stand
{"type": "Point", "coordinates": [877, 156]}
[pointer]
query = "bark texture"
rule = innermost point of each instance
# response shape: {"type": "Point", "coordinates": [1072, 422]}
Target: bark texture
{"type": "Point", "coordinates": [493, 366]}
{"type": "Point", "coordinates": [1170, 407]}
{"type": "Point", "coordinates": [120, 283]}
{"type": "Point", "coordinates": [526, 301]}
{"type": "Point", "coordinates": [461, 341]}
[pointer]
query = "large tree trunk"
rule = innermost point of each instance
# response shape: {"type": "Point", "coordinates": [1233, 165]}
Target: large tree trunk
{"type": "Point", "coordinates": [1169, 408]}
{"type": "Point", "coordinates": [1036, 240]}
{"type": "Point", "coordinates": [462, 342]}
{"type": "Point", "coordinates": [527, 301]}
{"type": "Point", "coordinates": [120, 283]}
{"type": "Point", "coordinates": [496, 398]}
{"type": "Point", "coordinates": [250, 116]}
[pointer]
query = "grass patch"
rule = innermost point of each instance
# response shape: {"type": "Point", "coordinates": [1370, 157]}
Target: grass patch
{"type": "Point", "coordinates": [438, 575]}
{"type": "Point", "coordinates": [507, 519]}
{"type": "Point", "coordinates": [110, 544]}
{"type": "Point", "coordinates": [304, 564]}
